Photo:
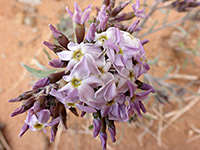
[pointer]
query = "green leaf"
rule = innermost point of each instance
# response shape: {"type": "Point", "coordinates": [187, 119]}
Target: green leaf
{"type": "Point", "coordinates": [38, 73]}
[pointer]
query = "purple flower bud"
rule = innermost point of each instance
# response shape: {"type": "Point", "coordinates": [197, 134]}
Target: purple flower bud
{"type": "Point", "coordinates": [23, 96]}
{"type": "Point", "coordinates": [144, 86]}
{"type": "Point", "coordinates": [54, 77]}
{"type": "Point", "coordinates": [143, 42]}
{"type": "Point", "coordinates": [53, 132]}
{"type": "Point", "coordinates": [103, 137]}
{"type": "Point", "coordinates": [96, 127]}
{"type": "Point", "coordinates": [138, 13]}
{"type": "Point", "coordinates": [91, 33]}
{"type": "Point", "coordinates": [80, 32]}
{"type": "Point", "coordinates": [41, 83]}
{"type": "Point", "coordinates": [112, 131]}
{"type": "Point", "coordinates": [57, 63]}
{"type": "Point", "coordinates": [125, 16]}
{"type": "Point", "coordinates": [61, 38]}
{"type": "Point", "coordinates": [133, 26]}
{"type": "Point", "coordinates": [54, 48]}
{"type": "Point", "coordinates": [24, 129]}
{"type": "Point", "coordinates": [25, 106]}
{"type": "Point", "coordinates": [118, 9]}
{"type": "Point", "coordinates": [102, 24]}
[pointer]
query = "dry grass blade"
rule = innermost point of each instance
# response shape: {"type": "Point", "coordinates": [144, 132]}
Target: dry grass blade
{"type": "Point", "coordinates": [182, 111]}
{"type": "Point", "coordinates": [58, 136]}
{"type": "Point", "coordinates": [4, 142]}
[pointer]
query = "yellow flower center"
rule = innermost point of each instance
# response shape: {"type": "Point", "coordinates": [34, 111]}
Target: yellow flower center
{"type": "Point", "coordinates": [76, 82]}
{"type": "Point", "coordinates": [131, 75]}
{"type": "Point", "coordinates": [133, 98]}
{"type": "Point", "coordinates": [103, 39]}
{"type": "Point", "coordinates": [38, 126]}
{"type": "Point", "coordinates": [110, 102]}
{"type": "Point", "coordinates": [77, 55]}
{"type": "Point", "coordinates": [71, 105]}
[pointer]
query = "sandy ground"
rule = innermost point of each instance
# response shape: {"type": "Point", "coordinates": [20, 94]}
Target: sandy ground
{"type": "Point", "coordinates": [21, 42]}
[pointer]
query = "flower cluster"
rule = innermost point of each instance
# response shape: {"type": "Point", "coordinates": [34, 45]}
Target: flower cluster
{"type": "Point", "coordinates": [100, 74]}
{"type": "Point", "coordinates": [184, 5]}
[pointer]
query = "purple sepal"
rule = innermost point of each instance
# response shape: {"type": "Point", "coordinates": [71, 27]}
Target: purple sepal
{"type": "Point", "coordinates": [118, 9]}
{"type": "Point", "coordinates": [27, 104]}
{"type": "Point", "coordinates": [103, 137]}
{"type": "Point", "coordinates": [61, 38]}
{"type": "Point", "coordinates": [23, 130]}
{"type": "Point", "coordinates": [133, 27]}
{"type": "Point", "coordinates": [102, 24]}
{"type": "Point", "coordinates": [91, 33]}
{"type": "Point", "coordinates": [57, 63]}
{"type": "Point", "coordinates": [41, 83]}
{"type": "Point", "coordinates": [143, 42]}
{"type": "Point", "coordinates": [96, 127]}
{"type": "Point", "coordinates": [112, 131]}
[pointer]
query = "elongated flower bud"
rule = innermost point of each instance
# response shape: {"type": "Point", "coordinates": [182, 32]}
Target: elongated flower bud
{"type": "Point", "coordinates": [53, 47]}
{"type": "Point", "coordinates": [60, 37]}
{"type": "Point", "coordinates": [80, 32]}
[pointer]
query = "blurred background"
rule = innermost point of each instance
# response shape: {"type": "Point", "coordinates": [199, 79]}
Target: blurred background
{"type": "Point", "coordinates": [173, 118]}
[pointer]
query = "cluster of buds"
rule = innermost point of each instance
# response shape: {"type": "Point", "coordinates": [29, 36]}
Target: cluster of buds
{"type": "Point", "coordinates": [184, 5]}
{"type": "Point", "coordinates": [100, 74]}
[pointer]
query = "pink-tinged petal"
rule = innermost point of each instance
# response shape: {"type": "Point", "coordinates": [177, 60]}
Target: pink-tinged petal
{"type": "Point", "coordinates": [24, 129]}
{"type": "Point", "coordinates": [142, 107]}
{"type": "Point", "coordinates": [132, 87]}
{"type": "Point", "coordinates": [110, 91]}
{"type": "Point", "coordinates": [105, 77]}
{"type": "Point", "coordinates": [56, 63]}
{"type": "Point", "coordinates": [77, 18]}
{"type": "Point", "coordinates": [143, 95]}
{"type": "Point", "coordinates": [59, 95]}
{"type": "Point", "coordinates": [69, 12]}
{"type": "Point", "coordinates": [77, 8]}
{"type": "Point", "coordinates": [74, 46]}
{"type": "Point", "coordinates": [43, 116]}
{"type": "Point", "coordinates": [85, 15]}
{"type": "Point", "coordinates": [72, 97]}
{"type": "Point", "coordinates": [85, 108]}
{"type": "Point", "coordinates": [137, 107]}
{"type": "Point", "coordinates": [103, 137]}
{"type": "Point", "coordinates": [96, 127]}
{"type": "Point", "coordinates": [112, 131]}
{"type": "Point", "coordinates": [106, 110]}
{"type": "Point", "coordinates": [67, 88]}
{"type": "Point", "coordinates": [119, 60]}
{"type": "Point", "coordinates": [118, 36]}
{"type": "Point", "coordinates": [98, 104]}
{"type": "Point", "coordinates": [86, 93]}
{"type": "Point", "coordinates": [55, 32]}
{"type": "Point", "coordinates": [107, 66]}
{"type": "Point", "coordinates": [53, 122]}
{"type": "Point", "coordinates": [91, 33]}
{"type": "Point", "coordinates": [93, 81]}
{"type": "Point", "coordinates": [109, 43]}
{"type": "Point", "coordinates": [111, 54]}
{"type": "Point", "coordinates": [102, 24]}
{"type": "Point", "coordinates": [65, 55]}
{"type": "Point", "coordinates": [81, 69]}
{"type": "Point", "coordinates": [71, 64]}
{"type": "Point", "coordinates": [91, 65]}
{"type": "Point", "coordinates": [91, 49]}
